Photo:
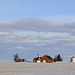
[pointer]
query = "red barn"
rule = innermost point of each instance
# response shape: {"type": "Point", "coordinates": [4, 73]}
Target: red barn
{"type": "Point", "coordinates": [46, 59]}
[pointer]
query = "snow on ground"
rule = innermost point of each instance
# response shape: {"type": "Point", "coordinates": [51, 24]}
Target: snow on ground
{"type": "Point", "coordinates": [24, 68]}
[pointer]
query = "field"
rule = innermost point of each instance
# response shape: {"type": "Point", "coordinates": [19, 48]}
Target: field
{"type": "Point", "coordinates": [25, 68]}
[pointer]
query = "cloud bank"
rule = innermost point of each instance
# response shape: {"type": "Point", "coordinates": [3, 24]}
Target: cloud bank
{"type": "Point", "coordinates": [37, 24]}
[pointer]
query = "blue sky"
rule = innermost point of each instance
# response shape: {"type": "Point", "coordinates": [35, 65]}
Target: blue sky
{"type": "Point", "coordinates": [29, 27]}
{"type": "Point", "coordinates": [38, 8]}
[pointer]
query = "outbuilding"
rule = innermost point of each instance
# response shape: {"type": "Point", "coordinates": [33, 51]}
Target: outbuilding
{"type": "Point", "coordinates": [46, 59]}
{"type": "Point", "coordinates": [73, 59]}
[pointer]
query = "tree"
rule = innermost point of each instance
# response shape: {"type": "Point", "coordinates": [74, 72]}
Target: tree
{"type": "Point", "coordinates": [35, 59]}
{"type": "Point", "coordinates": [16, 57]}
{"type": "Point", "coordinates": [58, 58]}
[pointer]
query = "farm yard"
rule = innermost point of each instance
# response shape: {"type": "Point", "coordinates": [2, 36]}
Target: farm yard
{"type": "Point", "coordinates": [25, 68]}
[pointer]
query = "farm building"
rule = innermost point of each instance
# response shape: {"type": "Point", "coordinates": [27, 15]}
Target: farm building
{"type": "Point", "coordinates": [45, 59]}
{"type": "Point", "coordinates": [73, 59]}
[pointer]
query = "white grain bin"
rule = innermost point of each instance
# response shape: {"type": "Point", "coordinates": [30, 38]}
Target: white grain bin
{"type": "Point", "coordinates": [73, 59]}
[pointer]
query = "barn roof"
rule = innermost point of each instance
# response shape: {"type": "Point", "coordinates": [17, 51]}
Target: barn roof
{"type": "Point", "coordinates": [48, 56]}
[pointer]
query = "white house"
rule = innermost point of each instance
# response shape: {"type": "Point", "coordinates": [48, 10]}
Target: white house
{"type": "Point", "coordinates": [73, 59]}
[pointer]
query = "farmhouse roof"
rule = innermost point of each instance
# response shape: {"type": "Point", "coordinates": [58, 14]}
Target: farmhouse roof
{"type": "Point", "coordinates": [48, 56]}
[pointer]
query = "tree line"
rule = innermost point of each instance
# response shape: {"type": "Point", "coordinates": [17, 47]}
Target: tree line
{"type": "Point", "coordinates": [17, 59]}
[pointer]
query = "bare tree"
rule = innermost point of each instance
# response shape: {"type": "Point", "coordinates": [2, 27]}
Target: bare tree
{"type": "Point", "coordinates": [58, 58]}
{"type": "Point", "coordinates": [16, 57]}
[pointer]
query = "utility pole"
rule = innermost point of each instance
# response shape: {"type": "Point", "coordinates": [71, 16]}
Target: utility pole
{"type": "Point", "coordinates": [38, 55]}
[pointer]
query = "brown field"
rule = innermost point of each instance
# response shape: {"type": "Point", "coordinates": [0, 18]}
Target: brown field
{"type": "Point", "coordinates": [25, 68]}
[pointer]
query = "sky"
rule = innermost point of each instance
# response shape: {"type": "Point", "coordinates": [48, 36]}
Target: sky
{"type": "Point", "coordinates": [29, 27]}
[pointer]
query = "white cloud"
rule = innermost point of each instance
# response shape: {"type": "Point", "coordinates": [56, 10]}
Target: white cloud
{"type": "Point", "coordinates": [35, 24]}
{"type": "Point", "coordinates": [27, 24]}
{"type": "Point", "coordinates": [19, 47]}
{"type": "Point", "coordinates": [38, 25]}
{"type": "Point", "coordinates": [69, 44]}
{"type": "Point", "coordinates": [40, 44]}
{"type": "Point", "coordinates": [5, 33]}
{"type": "Point", "coordinates": [62, 39]}
{"type": "Point", "coordinates": [35, 37]}
{"type": "Point", "coordinates": [62, 19]}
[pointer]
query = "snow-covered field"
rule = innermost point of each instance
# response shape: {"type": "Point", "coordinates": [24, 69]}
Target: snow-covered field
{"type": "Point", "coordinates": [24, 68]}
